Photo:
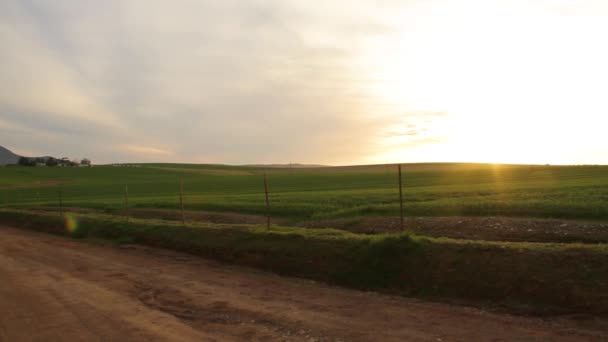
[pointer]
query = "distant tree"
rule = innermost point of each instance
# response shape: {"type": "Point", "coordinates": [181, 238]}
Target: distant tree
{"type": "Point", "coordinates": [24, 161]}
{"type": "Point", "coordinates": [65, 161]}
{"type": "Point", "coordinates": [51, 162]}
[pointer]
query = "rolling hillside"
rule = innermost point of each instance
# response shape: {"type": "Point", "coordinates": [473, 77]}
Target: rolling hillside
{"type": "Point", "coordinates": [7, 157]}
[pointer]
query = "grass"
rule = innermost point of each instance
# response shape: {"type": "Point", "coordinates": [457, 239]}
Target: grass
{"type": "Point", "coordinates": [553, 277]}
{"type": "Point", "coordinates": [538, 276]}
{"type": "Point", "coordinates": [576, 192]}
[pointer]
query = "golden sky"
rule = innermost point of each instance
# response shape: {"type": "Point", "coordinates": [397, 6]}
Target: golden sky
{"type": "Point", "coordinates": [279, 81]}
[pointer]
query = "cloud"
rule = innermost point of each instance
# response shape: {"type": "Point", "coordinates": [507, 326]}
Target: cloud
{"type": "Point", "coordinates": [274, 81]}
{"type": "Point", "coordinates": [145, 151]}
{"type": "Point", "coordinates": [411, 132]}
{"type": "Point", "coordinates": [423, 142]}
{"type": "Point", "coordinates": [251, 81]}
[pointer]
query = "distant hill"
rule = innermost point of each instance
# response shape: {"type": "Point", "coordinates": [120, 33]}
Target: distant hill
{"type": "Point", "coordinates": [8, 157]}
{"type": "Point", "coordinates": [295, 166]}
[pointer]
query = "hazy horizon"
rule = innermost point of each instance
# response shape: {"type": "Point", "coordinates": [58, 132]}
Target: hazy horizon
{"type": "Point", "coordinates": [280, 81]}
{"type": "Point", "coordinates": [306, 165]}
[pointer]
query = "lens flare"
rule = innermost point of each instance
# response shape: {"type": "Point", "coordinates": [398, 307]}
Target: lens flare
{"type": "Point", "coordinates": [71, 223]}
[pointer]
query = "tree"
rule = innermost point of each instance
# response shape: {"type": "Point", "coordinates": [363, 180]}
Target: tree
{"type": "Point", "coordinates": [51, 162]}
{"type": "Point", "coordinates": [24, 161]}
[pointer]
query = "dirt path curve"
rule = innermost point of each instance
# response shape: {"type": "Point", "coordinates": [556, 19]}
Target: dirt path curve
{"type": "Point", "coordinates": [56, 289]}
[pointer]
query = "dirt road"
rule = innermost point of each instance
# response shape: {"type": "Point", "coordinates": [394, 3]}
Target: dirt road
{"type": "Point", "coordinates": [56, 289]}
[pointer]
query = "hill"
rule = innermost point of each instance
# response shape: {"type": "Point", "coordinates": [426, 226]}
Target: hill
{"type": "Point", "coordinates": [286, 166]}
{"type": "Point", "coordinates": [8, 157]}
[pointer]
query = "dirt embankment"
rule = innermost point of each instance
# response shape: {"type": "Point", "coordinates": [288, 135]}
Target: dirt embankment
{"type": "Point", "coordinates": [200, 216]}
{"type": "Point", "coordinates": [473, 228]}
{"type": "Point", "coordinates": [175, 215]}
{"type": "Point", "coordinates": [56, 289]}
{"type": "Point", "coordinates": [478, 228]}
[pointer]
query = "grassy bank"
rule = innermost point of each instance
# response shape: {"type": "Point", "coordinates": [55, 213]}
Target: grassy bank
{"type": "Point", "coordinates": [546, 277]}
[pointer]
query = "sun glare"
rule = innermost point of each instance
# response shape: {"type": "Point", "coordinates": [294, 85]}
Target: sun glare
{"type": "Point", "coordinates": [512, 93]}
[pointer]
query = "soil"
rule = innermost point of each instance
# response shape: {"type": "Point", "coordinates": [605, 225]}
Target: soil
{"type": "Point", "coordinates": [175, 215]}
{"type": "Point", "coordinates": [457, 227]}
{"type": "Point", "coordinates": [195, 215]}
{"type": "Point", "coordinates": [58, 289]}
{"type": "Point", "coordinates": [478, 228]}
{"type": "Point", "coordinates": [65, 209]}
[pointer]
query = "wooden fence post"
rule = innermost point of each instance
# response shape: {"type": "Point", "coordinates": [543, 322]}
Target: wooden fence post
{"type": "Point", "coordinates": [267, 201]}
{"type": "Point", "coordinates": [60, 201]}
{"type": "Point", "coordinates": [181, 199]}
{"type": "Point", "coordinates": [401, 226]}
{"type": "Point", "coordinates": [127, 201]}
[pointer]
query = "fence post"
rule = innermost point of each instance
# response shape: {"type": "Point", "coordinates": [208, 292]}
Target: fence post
{"type": "Point", "coordinates": [401, 226]}
{"type": "Point", "coordinates": [267, 201]}
{"type": "Point", "coordinates": [127, 201]}
{"type": "Point", "coordinates": [181, 199]}
{"type": "Point", "coordinates": [60, 201]}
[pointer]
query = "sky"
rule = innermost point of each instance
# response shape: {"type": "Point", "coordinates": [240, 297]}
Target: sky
{"type": "Point", "coordinates": [324, 82]}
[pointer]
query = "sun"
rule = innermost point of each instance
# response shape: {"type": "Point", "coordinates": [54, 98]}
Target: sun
{"type": "Point", "coordinates": [521, 93]}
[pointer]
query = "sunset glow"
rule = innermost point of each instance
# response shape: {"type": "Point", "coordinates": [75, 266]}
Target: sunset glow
{"type": "Point", "coordinates": [517, 83]}
{"type": "Point", "coordinates": [239, 82]}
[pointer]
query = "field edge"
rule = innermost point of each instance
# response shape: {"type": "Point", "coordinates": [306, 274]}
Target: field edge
{"type": "Point", "coordinates": [541, 278]}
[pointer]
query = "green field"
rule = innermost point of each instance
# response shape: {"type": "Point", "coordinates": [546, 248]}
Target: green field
{"type": "Point", "coordinates": [555, 274]}
{"type": "Point", "coordinates": [579, 192]}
